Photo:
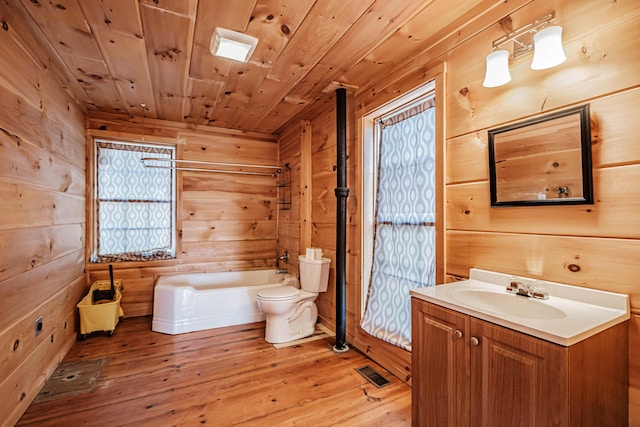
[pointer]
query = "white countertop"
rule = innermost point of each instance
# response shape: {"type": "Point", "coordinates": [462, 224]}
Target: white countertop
{"type": "Point", "coordinates": [571, 314]}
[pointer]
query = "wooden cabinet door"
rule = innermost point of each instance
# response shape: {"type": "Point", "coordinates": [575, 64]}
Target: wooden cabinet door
{"type": "Point", "coordinates": [516, 379]}
{"type": "Point", "coordinates": [440, 366]}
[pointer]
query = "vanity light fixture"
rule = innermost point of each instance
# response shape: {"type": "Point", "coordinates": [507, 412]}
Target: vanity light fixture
{"type": "Point", "coordinates": [539, 37]}
{"type": "Point", "coordinates": [232, 44]}
{"type": "Point", "coordinates": [497, 69]}
{"type": "Point", "coordinates": [548, 50]}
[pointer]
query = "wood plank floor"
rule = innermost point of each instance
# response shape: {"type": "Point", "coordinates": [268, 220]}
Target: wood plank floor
{"type": "Point", "coordinates": [222, 377]}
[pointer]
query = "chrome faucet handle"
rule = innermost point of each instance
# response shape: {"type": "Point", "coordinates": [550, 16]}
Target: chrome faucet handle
{"type": "Point", "coordinates": [284, 257]}
{"type": "Point", "coordinates": [514, 286]}
{"type": "Point", "coordinates": [537, 290]}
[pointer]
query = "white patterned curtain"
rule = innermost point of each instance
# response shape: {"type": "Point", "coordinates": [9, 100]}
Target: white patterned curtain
{"type": "Point", "coordinates": [404, 236]}
{"type": "Point", "coordinates": [134, 204]}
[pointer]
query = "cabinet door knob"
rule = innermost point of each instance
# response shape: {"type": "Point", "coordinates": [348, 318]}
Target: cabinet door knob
{"type": "Point", "coordinates": [474, 341]}
{"type": "Point", "coordinates": [458, 333]}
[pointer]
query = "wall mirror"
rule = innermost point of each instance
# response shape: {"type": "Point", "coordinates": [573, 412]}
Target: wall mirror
{"type": "Point", "coordinates": [541, 161]}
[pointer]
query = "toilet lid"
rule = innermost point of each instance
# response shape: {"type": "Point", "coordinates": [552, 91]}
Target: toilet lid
{"type": "Point", "coordinates": [280, 293]}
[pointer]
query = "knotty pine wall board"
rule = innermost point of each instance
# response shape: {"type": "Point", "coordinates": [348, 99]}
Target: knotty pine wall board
{"type": "Point", "coordinates": [34, 165]}
{"type": "Point", "coordinates": [247, 185]}
{"type": "Point", "coordinates": [616, 192]}
{"type": "Point", "coordinates": [24, 249]}
{"type": "Point", "coordinates": [228, 230]}
{"type": "Point", "coordinates": [26, 206]}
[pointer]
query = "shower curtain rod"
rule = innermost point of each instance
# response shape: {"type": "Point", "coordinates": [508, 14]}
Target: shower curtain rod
{"type": "Point", "coordinates": [278, 169]}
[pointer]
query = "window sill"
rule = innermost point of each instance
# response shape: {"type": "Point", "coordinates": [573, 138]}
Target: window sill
{"type": "Point", "coordinates": [99, 266]}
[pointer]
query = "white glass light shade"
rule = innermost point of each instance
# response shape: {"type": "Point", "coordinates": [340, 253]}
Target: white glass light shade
{"type": "Point", "coordinates": [232, 45]}
{"type": "Point", "coordinates": [547, 45]}
{"type": "Point", "coordinates": [497, 73]}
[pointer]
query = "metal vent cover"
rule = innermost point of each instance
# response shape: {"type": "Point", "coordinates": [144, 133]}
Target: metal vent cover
{"type": "Point", "coordinates": [373, 376]}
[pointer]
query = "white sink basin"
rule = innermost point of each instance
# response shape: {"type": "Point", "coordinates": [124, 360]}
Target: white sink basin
{"type": "Point", "coordinates": [508, 304]}
{"type": "Point", "coordinates": [571, 314]}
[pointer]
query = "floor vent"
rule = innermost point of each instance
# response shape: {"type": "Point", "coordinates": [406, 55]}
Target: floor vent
{"type": "Point", "coordinates": [372, 376]}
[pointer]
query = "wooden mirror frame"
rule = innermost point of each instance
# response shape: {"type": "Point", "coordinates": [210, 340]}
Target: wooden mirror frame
{"type": "Point", "coordinates": [586, 184]}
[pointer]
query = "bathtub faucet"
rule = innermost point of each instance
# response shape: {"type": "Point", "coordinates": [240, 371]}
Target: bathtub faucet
{"type": "Point", "coordinates": [284, 257]}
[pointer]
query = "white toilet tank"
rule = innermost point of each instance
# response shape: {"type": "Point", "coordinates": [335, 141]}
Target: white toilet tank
{"type": "Point", "coordinates": [314, 274]}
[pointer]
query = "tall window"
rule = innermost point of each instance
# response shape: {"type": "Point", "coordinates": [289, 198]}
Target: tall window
{"type": "Point", "coordinates": [134, 205]}
{"type": "Point", "coordinates": [403, 219]}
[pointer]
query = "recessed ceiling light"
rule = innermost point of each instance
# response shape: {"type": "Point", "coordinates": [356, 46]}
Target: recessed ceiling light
{"type": "Point", "coordinates": [232, 44]}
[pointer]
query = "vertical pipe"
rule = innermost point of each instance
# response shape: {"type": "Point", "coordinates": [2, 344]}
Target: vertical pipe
{"type": "Point", "coordinates": [342, 192]}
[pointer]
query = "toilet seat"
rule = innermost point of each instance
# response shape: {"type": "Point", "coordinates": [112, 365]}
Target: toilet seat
{"type": "Point", "coordinates": [281, 293]}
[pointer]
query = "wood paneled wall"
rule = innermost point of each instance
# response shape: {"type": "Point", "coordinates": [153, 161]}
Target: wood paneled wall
{"type": "Point", "coordinates": [42, 219]}
{"type": "Point", "coordinates": [290, 222]}
{"type": "Point", "coordinates": [225, 221]}
{"type": "Point", "coordinates": [597, 245]}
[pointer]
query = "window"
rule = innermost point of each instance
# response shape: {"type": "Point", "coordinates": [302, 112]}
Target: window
{"type": "Point", "coordinates": [134, 205]}
{"type": "Point", "coordinates": [399, 234]}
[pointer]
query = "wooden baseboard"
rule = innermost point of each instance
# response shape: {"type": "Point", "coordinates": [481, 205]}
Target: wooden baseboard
{"type": "Point", "coordinates": [394, 359]}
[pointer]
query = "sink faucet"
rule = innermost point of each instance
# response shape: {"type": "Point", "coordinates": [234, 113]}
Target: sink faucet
{"type": "Point", "coordinates": [527, 290]}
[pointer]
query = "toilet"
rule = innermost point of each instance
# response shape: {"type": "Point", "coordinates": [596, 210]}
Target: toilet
{"type": "Point", "coordinates": [292, 313]}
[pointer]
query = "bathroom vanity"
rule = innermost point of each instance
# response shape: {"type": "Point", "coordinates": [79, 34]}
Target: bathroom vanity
{"type": "Point", "coordinates": [484, 357]}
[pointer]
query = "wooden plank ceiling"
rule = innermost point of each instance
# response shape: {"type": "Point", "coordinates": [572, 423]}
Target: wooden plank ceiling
{"type": "Point", "coordinates": [120, 54]}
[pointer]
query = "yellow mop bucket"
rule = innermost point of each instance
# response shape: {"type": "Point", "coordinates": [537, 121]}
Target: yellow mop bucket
{"type": "Point", "coordinates": [100, 314]}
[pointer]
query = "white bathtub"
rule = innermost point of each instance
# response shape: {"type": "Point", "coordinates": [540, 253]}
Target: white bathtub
{"type": "Point", "coordinates": [196, 301]}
